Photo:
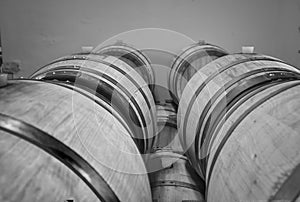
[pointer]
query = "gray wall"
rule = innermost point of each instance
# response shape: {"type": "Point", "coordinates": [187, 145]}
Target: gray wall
{"type": "Point", "coordinates": [38, 31]}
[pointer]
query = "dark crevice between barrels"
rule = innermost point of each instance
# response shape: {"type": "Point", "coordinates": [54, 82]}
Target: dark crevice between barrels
{"type": "Point", "coordinates": [167, 126]}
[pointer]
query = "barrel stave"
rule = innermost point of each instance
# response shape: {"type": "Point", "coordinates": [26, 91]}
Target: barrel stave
{"type": "Point", "coordinates": [167, 135]}
{"type": "Point", "coordinates": [84, 126]}
{"type": "Point", "coordinates": [208, 83]}
{"type": "Point", "coordinates": [188, 62]}
{"type": "Point", "coordinates": [174, 179]}
{"type": "Point", "coordinates": [35, 175]}
{"type": "Point", "coordinates": [219, 96]}
{"type": "Point", "coordinates": [133, 57]}
{"type": "Point", "coordinates": [265, 149]}
{"type": "Point", "coordinates": [130, 94]}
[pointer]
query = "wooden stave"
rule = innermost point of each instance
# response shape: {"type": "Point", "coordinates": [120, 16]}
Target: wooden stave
{"type": "Point", "coordinates": [207, 121]}
{"type": "Point", "coordinates": [167, 136]}
{"type": "Point", "coordinates": [8, 194]}
{"type": "Point", "coordinates": [97, 57]}
{"type": "Point", "coordinates": [188, 119]}
{"type": "Point", "coordinates": [189, 55]}
{"type": "Point", "coordinates": [95, 99]}
{"type": "Point", "coordinates": [217, 66]}
{"type": "Point", "coordinates": [141, 63]}
{"type": "Point", "coordinates": [176, 180]}
{"type": "Point", "coordinates": [110, 175]}
{"type": "Point", "coordinates": [108, 60]}
{"type": "Point", "coordinates": [213, 191]}
{"type": "Point", "coordinates": [135, 84]}
{"type": "Point", "coordinates": [118, 104]}
{"type": "Point", "coordinates": [257, 185]}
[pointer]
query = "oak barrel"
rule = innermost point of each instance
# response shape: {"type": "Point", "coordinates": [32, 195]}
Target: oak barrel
{"type": "Point", "coordinates": [239, 119]}
{"type": "Point", "coordinates": [60, 143]}
{"type": "Point", "coordinates": [167, 134]}
{"type": "Point", "coordinates": [188, 62]}
{"type": "Point", "coordinates": [112, 80]}
{"type": "Point", "coordinates": [174, 179]}
{"type": "Point", "coordinates": [133, 57]}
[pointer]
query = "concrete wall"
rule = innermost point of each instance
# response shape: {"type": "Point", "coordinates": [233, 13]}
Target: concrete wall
{"type": "Point", "coordinates": [37, 31]}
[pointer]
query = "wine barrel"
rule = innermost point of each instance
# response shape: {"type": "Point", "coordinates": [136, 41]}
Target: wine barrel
{"type": "Point", "coordinates": [167, 135]}
{"type": "Point", "coordinates": [188, 62]}
{"type": "Point", "coordinates": [239, 119]}
{"type": "Point", "coordinates": [174, 179]}
{"type": "Point", "coordinates": [57, 143]}
{"type": "Point", "coordinates": [114, 81]}
{"type": "Point", "coordinates": [133, 57]}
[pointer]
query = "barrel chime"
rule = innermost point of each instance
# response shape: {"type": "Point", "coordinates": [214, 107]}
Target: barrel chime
{"type": "Point", "coordinates": [86, 128]}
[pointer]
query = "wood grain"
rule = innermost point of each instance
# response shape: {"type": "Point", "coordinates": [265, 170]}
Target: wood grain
{"type": "Point", "coordinates": [213, 80]}
{"type": "Point", "coordinates": [188, 62]}
{"type": "Point", "coordinates": [129, 94]}
{"type": "Point", "coordinates": [133, 57]}
{"type": "Point", "coordinates": [174, 179]}
{"type": "Point", "coordinates": [30, 174]}
{"type": "Point", "coordinates": [254, 160]}
{"type": "Point", "coordinates": [167, 137]}
{"type": "Point", "coordinates": [261, 152]}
